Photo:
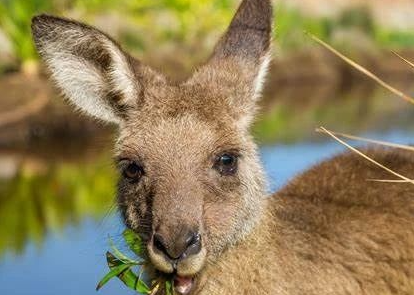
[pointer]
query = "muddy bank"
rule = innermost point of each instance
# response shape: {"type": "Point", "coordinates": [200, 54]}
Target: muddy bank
{"type": "Point", "coordinates": [319, 66]}
{"type": "Point", "coordinates": [31, 110]}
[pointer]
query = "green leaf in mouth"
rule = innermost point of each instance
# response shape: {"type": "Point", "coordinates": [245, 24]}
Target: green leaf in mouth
{"type": "Point", "coordinates": [134, 242]}
{"type": "Point", "coordinates": [121, 265]}
{"type": "Point", "coordinates": [128, 277]}
{"type": "Point", "coordinates": [121, 256]}
{"type": "Point", "coordinates": [115, 271]}
{"type": "Point", "coordinates": [169, 288]}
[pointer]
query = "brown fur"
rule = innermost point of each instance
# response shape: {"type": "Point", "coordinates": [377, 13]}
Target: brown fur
{"type": "Point", "coordinates": [330, 231]}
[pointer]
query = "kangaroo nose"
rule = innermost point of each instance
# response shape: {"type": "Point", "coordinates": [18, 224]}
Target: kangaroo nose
{"type": "Point", "coordinates": [180, 247]}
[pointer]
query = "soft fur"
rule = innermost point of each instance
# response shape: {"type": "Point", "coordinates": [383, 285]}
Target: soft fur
{"type": "Point", "coordinates": [330, 231]}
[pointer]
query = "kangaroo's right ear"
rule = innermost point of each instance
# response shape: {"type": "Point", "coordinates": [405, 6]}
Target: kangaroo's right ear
{"type": "Point", "coordinates": [240, 59]}
{"type": "Point", "coordinates": [93, 72]}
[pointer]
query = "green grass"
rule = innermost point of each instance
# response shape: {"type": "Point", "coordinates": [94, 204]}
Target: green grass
{"type": "Point", "coordinates": [15, 16]}
{"type": "Point", "coordinates": [394, 39]}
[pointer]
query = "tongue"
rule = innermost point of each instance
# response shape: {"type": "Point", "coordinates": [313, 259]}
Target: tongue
{"type": "Point", "coordinates": [183, 285]}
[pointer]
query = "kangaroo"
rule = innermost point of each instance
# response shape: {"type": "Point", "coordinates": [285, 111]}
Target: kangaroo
{"type": "Point", "coordinates": [192, 186]}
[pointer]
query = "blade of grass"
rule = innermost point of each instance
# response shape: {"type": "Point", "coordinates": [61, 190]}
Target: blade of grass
{"type": "Point", "coordinates": [403, 59]}
{"type": "Point", "coordinates": [134, 242]}
{"type": "Point", "coordinates": [128, 277]}
{"type": "Point", "coordinates": [385, 143]}
{"type": "Point", "coordinates": [324, 130]}
{"type": "Point", "coordinates": [113, 273]}
{"type": "Point", "coordinates": [120, 255]}
{"type": "Point", "coordinates": [141, 286]}
{"type": "Point", "coordinates": [169, 288]}
{"type": "Point", "coordinates": [363, 70]}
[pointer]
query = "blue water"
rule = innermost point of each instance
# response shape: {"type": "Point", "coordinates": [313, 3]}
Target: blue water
{"type": "Point", "coordinates": [72, 262]}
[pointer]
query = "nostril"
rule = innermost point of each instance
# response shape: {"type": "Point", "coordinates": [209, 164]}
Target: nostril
{"type": "Point", "coordinates": [193, 239]}
{"type": "Point", "coordinates": [193, 244]}
{"type": "Point", "coordinates": [159, 243]}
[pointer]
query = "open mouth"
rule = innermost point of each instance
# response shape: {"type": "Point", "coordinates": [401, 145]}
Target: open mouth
{"type": "Point", "coordinates": [183, 285]}
{"type": "Point", "coordinates": [182, 273]}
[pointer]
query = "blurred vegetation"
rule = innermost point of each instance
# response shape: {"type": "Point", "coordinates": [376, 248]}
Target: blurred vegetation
{"type": "Point", "coordinates": [15, 18]}
{"type": "Point", "coordinates": [145, 24]}
{"type": "Point", "coordinates": [187, 27]}
{"type": "Point", "coordinates": [32, 204]}
{"type": "Point", "coordinates": [295, 114]}
{"type": "Point", "coordinates": [290, 25]}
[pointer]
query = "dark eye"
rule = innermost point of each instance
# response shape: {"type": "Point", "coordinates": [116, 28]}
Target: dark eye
{"type": "Point", "coordinates": [133, 171]}
{"type": "Point", "coordinates": [226, 164]}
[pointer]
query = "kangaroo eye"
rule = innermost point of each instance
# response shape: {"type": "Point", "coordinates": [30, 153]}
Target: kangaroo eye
{"type": "Point", "coordinates": [226, 164]}
{"type": "Point", "coordinates": [133, 171]}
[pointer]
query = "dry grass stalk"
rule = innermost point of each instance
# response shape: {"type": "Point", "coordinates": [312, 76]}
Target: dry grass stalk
{"type": "Point", "coordinates": [402, 177]}
{"type": "Point", "coordinates": [363, 70]}
{"type": "Point", "coordinates": [389, 180]}
{"type": "Point", "coordinates": [404, 59]}
{"type": "Point", "coordinates": [385, 143]}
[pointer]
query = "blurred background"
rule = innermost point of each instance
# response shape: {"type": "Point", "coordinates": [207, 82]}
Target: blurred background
{"type": "Point", "coordinates": [56, 174]}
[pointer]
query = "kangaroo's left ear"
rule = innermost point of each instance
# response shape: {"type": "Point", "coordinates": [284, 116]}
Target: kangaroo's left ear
{"type": "Point", "coordinates": [93, 72]}
{"type": "Point", "coordinates": [241, 57]}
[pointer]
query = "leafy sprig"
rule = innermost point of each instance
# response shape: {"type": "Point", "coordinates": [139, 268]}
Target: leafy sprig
{"type": "Point", "coordinates": [121, 266]}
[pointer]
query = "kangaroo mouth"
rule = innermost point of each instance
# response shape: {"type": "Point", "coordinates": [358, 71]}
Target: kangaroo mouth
{"type": "Point", "coordinates": [183, 272]}
{"type": "Point", "coordinates": [183, 285]}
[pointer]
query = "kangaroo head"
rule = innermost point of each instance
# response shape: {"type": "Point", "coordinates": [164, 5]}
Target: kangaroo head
{"type": "Point", "coordinates": [191, 183]}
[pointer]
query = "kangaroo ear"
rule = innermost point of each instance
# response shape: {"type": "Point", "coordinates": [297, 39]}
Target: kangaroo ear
{"type": "Point", "coordinates": [241, 57]}
{"type": "Point", "coordinates": [88, 66]}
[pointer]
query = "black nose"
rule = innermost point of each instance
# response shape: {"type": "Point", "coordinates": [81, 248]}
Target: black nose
{"type": "Point", "coordinates": [179, 247]}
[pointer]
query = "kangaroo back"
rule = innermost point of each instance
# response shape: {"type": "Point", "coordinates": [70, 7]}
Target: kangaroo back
{"type": "Point", "coordinates": [354, 234]}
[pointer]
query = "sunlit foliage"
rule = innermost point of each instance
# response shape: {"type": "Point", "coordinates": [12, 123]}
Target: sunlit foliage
{"type": "Point", "coordinates": [190, 27]}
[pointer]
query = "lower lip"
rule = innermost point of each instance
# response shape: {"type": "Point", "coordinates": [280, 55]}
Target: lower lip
{"type": "Point", "coordinates": [183, 285]}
